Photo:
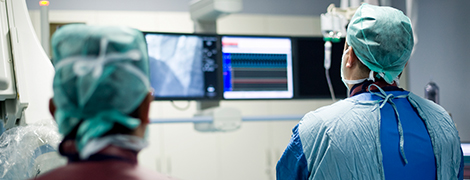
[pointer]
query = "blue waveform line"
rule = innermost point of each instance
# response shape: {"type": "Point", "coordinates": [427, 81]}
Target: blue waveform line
{"type": "Point", "coordinates": [249, 60]}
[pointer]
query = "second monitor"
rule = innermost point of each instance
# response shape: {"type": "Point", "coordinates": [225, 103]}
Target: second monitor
{"type": "Point", "coordinates": [257, 67]}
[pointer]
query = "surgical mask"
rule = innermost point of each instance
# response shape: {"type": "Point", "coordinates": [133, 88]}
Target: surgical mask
{"type": "Point", "coordinates": [356, 81]}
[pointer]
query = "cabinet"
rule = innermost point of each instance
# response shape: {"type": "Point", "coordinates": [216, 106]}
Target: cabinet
{"type": "Point", "coordinates": [249, 153]}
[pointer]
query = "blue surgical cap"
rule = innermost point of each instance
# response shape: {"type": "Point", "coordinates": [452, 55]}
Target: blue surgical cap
{"type": "Point", "coordinates": [382, 39]}
{"type": "Point", "coordinates": [101, 77]}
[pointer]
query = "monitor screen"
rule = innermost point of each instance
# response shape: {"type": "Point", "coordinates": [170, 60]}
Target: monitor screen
{"type": "Point", "coordinates": [310, 78]}
{"type": "Point", "coordinates": [257, 67]}
{"type": "Point", "coordinates": [183, 66]}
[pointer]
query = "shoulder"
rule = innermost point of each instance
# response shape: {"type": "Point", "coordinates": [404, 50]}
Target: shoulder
{"type": "Point", "coordinates": [102, 171]}
{"type": "Point", "coordinates": [345, 117]}
{"type": "Point", "coordinates": [430, 112]}
{"type": "Point", "coordinates": [147, 174]}
{"type": "Point", "coordinates": [332, 110]}
{"type": "Point", "coordinates": [328, 114]}
{"type": "Point", "coordinates": [320, 120]}
{"type": "Point", "coordinates": [421, 103]}
{"type": "Point", "coordinates": [434, 115]}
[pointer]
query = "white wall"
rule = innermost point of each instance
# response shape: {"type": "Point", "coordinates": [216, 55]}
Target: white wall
{"type": "Point", "coordinates": [177, 149]}
{"type": "Point", "coordinates": [443, 54]}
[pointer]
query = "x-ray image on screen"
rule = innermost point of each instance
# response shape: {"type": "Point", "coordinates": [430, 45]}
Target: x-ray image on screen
{"type": "Point", "coordinates": [178, 64]}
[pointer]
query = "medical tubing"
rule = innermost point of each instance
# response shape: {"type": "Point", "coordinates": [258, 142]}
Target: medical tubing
{"type": "Point", "coordinates": [327, 62]}
{"type": "Point", "coordinates": [330, 86]}
{"type": "Point", "coordinates": [327, 65]}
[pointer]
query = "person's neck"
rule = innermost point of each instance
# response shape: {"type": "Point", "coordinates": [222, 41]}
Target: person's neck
{"type": "Point", "coordinates": [356, 73]}
{"type": "Point", "coordinates": [364, 87]}
{"type": "Point", "coordinates": [68, 148]}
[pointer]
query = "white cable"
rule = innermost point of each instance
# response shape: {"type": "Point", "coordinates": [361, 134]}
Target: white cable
{"type": "Point", "coordinates": [327, 65]}
{"type": "Point", "coordinates": [180, 108]}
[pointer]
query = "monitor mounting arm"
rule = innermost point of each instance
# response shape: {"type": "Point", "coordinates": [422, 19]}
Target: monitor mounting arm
{"type": "Point", "coordinates": [205, 13]}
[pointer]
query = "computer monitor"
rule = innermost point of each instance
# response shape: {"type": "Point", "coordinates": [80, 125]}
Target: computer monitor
{"type": "Point", "coordinates": [310, 79]}
{"type": "Point", "coordinates": [257, 67]}
{"type": "Point", "coordinates": [183, 66]}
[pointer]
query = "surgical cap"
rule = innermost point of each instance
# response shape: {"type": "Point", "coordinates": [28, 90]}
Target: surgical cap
{"type": "Point", "coordinates": [382, 39]}
{"type": "Point", "coordinates": [101, 77]}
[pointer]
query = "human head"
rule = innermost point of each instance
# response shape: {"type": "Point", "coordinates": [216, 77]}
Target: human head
{"type": "Point", "coordinates": [382, 39]}
{"type": "Point", "coordinates": [101, 78]}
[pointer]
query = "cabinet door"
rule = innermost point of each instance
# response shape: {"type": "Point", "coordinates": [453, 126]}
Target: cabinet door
{"type": "Point", "coordinates": [242, 154]}
{"type": "Point", "coordinates": [189, 154]}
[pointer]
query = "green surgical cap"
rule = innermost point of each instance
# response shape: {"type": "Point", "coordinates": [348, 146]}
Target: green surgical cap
{"type": "Point", "coordinates": [382, 39]}
{"type": "Point", "coordinates": [101, 77]}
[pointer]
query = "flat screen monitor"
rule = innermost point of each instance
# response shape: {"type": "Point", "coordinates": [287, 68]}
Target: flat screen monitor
{"type": "Point", "coordinates": [310, 79]}
{"type": "Point", "coordinates": [183, 66]}
{"type": "Point", "coordinates": [257, 67]}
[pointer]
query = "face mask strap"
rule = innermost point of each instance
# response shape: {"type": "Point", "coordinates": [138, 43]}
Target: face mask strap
{"type": "Point", "coordinates": [357, 81]}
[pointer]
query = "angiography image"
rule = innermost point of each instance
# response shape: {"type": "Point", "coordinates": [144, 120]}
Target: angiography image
{"type": "Point", "coordinates": [176, 65]}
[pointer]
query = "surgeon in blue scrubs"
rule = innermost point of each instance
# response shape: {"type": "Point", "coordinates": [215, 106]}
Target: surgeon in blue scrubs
{"type": "Point", "coordinates": [381, 131]}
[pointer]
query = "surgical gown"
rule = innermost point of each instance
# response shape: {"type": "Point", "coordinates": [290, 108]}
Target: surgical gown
{"type": "Point", "coordinates": [357, 138]}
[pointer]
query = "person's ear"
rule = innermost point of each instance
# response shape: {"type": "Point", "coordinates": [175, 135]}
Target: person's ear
{"type": "Point", "coordinates": [144, 109]}
{"type": "Point", "coordinates": [352, 60]}
{"type": "Point", "coordinates": [52, 107]}
{"type": "Point", "coordinates": [399, 76]}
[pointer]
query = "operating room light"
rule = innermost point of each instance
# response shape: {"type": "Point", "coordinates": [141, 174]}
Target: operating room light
{"type": "Point", "coordinates": [43, 3]}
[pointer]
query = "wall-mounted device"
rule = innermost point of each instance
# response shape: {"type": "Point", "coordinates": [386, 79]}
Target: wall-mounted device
{"type": "Point", "coordinates": [205, 13]}
{"type": "Point", "coordinates": [210, 10]}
